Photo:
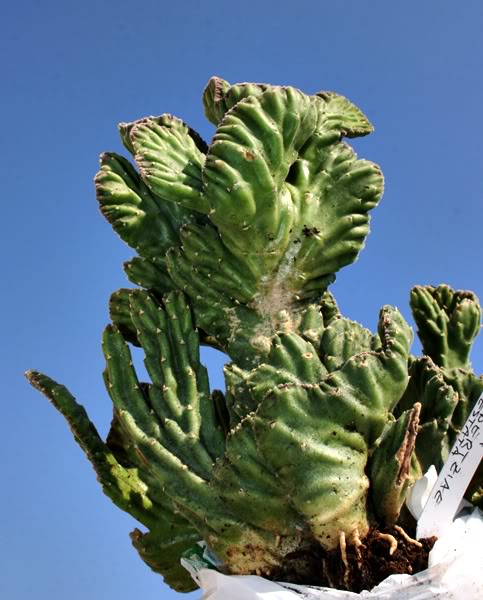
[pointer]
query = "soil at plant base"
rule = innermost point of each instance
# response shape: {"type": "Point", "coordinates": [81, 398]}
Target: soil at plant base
{"type": "Point", "coordinates": [364, 566]}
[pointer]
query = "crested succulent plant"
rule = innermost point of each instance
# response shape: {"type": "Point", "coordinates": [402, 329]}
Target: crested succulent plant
{"type": "Point", "coordinates": [318, 436]}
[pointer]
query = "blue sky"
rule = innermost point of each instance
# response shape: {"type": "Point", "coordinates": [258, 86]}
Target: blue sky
{"type": "Point", "coordinates": [70, 73]}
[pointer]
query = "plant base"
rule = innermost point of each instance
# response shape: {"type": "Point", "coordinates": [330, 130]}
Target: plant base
{"type": "Point", "coordinates": [383, 552]}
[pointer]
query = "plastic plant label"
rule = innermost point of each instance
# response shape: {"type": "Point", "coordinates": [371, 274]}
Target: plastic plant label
{"type": "Point", "coordinates": [199, 557]}
{"type": "Point", "coordinates": [453, 480]}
